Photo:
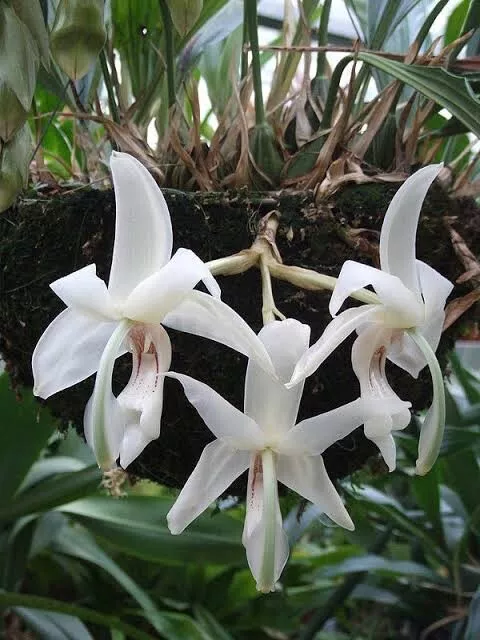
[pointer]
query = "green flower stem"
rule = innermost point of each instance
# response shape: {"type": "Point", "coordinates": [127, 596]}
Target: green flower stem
{"type": "Point", "coordinates": [431, 434]}
{"type": "Point", "coordinates": [266, 582]}
{"type": "Point", "coordinates": [251, 20]}
{"type": "Point", "coordinates": [8, 599]}
{"type": "Point", "coordinates": [101, 394]}
{"type": "Point", "coordinates": [169, 50]}
{"type": "Point", "coordinates": [232, 265]}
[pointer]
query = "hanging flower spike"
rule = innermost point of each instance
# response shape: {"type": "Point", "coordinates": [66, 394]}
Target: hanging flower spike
{"type": "Point", "coordinates": [101, 323]}
{"type": "Point", "coordinates": [405, 327]}
{"type": "Point", "coordinates": [265, 440]}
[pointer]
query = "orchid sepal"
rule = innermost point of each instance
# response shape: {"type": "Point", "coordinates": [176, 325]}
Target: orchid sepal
{"type": "Point", "coordinates": [431, 433]}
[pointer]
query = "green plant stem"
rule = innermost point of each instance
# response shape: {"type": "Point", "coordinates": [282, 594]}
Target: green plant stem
{"type": "Point", "coordinates": [109, 86]}
{"type": "Point", "coordinates": [339, 596]}
{"type": "Point", "coordinates": [333, 92]}
{"type": "Point", "coordinates": [251, 20]}
{"type": "Point", "coordinates": [8, 599]}
{"type": "Point", "coordinates": [323, 39]}
{"type": "Point", "coordinates": [169, 50]}
{"type": "Point", "coordinates": [245, 43]}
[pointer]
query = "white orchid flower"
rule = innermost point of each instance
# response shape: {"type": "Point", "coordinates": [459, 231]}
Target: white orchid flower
{"type": "Point", "coordinates": [146, 287]}
{"type": "Point", "coordinates": [266, 441]}
{"type": "Point", "coordinates": [404, 327]}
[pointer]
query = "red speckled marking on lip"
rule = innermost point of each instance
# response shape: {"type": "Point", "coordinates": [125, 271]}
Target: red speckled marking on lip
{"type": "Point", "coordinates": [257, 470]}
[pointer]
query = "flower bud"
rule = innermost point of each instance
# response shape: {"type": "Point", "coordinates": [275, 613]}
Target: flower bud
{"type": "Point", "coordinates": [19, 61]}
{"type": "Point", "coordinates": [77, 36]}
{"type": "Point", "coordinates": [14, 162]}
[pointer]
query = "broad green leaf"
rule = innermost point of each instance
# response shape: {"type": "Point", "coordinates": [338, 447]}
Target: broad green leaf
{"type": "Point", "coordinates": [461, 472]}
{"type": "Point", "coordinates": [78, 543]}
{"type": "Point", "coordinates": [25, 428]}
{"type": "Point", "coordinates": [30, 13]}
{"type": "Point", "coordinates": [468, 381]}
{"type": "Point", "coordinates": [49, 625]}
{"type": "Point", "coordinates": [450, 91]}
{"type": "Point", "coordinates": [137, 526]}
{"type": "Point", "coordinates": [373, 563]}
{"type": "Point", "coordinates": [455, 22]}
{"type": "Point", "coordinates": [426, 491]}
{"type": "Point", "coordinates": [184, 14]}
{"type": "Point", "coordinates": [47, 467]}
{"type": "Point", "coordinates": [9, 599]}
{"type": "Point", "coordinates": [52, 492]}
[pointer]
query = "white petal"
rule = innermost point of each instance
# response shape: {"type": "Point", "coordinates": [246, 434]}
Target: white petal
{"type": "Point", "coordinates": [406, 308]}
{"type": "Point", "coordinates": [85, 292]}
{"type": "Point", "coordinates": [335, 333]}
{"type": "Point", "coordinates": [274, 407]}
{"type": "Point", "coordinates": [263, 536]}
{"type": "Point", "coordinates": [206, 316]}
{"type": "Point", "coordinates": [104, 422]}
{"type": "Point", "coordinates": [223, 419]}
{"type": "Point", "coordinates": [405, 354]}
{"type": "Point", "coordinates": [314, 435]}
{"type": "Point", "coordinates": [163, 291]}
{"type": "Point", "coordinates": [143, 230]}
{"type": "Point", "coordinates": [142, 399]}
{"type": "Point", "coordinates": [435, 289]}
{"type": "Point", "coordinates": [387, 448]}
{"type": "Point", "coordinates": [431, 433]}
{"type": "Point", "coordinates": [399, 228]}
{"type": "Point", "coordinates": [308, 477]}
{"type": "Point", "coordinates": [68, 351]}
{"type": "Point", "coordinates": [218, 467]}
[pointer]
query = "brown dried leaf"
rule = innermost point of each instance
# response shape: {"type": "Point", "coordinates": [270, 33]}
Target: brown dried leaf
{"type": "Point", "coordinates": [457, 307]}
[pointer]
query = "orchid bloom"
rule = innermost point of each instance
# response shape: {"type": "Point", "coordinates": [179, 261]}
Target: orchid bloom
{"type": "Point", "coordinates": [404, 327]}
{"type": "Point", "coordinates": [146, 287]}
{"type": "Point", "coordinates": [266, 441]}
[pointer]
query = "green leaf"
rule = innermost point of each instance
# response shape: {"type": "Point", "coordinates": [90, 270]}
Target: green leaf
{"type": "Point", "coordinates": [373, 563]}
{"type": "Point", "coordinates": [213, 629]}
{"type": "Point", "coordinates": [25, 428]}
{"type": "Point", "coordinates": [8, 599]}
{"type": "Point", "coordinates": [473, 626]}
{"type": "Point", "coordinates": [53, 626]}
{"type": "Point", "coordinates": [80, 544]}
{"type": "Point", "coordinates": [461, 473]}
{"type": "Point", "coordinates": [30, 13]}
{"type": "Point", "coordinates": [137, 526]}
{"type": "Point", "coordinates": [184, 14]}
{"type": "Point", "coordinates": [427, 493]}
{"type": "Point", "coordinates": [450, 91]}
{"type": "Point", "coordinates": [51, 493]}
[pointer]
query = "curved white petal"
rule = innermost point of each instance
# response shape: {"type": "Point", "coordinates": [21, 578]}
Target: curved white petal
{"type": "Point", "coordinates": [206, 316]}
{"type": "Point", "coordinates": [104, 421]}
{"type": "Point", "coordinates": [434, 287]}
{"type": "Point", "coordinates": [218, 467]}
{"type": "Point", "coordinates": [163, 291]}
{"type": "Point", "coordinates": [313, 435]}
{"type": "Point", "coordinates": [399, 228]}
{"type": "Point", "coordinates": [223, 419]}
{"type": "Point", "coordinates": [404, 307]}
{"type": "Point", "coordinates": [431, 433]}
{"type": "Point", "coordinates": [263, 537]}
{"type": "Point", "coordinates": [85, 292]}
{"type": "Point", "coordinates": [142, 399]}
{"type": "Point", "coordinates": [308, 477]}
{"type": "Point", "coordinates": [68, 351]}
{"type": "Point", "coordinates": [335, 333]}
{"type": "Point", "coordinates": [368, 361]}
{"type": "Point", "coordinates": [143, 230]}
{"type": "Point", "coordinates": [387, 448]}
{"type": "Point", "coordinates": [274, 407]}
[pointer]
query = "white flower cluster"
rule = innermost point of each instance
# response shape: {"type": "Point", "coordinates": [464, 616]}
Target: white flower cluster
{"type": "Point", "coordinates": [148, 289]}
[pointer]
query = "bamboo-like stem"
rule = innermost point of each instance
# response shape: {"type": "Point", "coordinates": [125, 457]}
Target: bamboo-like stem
{"type": "Point", "coordinates": [112, 103]}
{"type": "Point", "coordinates": [169, 50]}
{"type": "Point", "coordinates": [251, 20]}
